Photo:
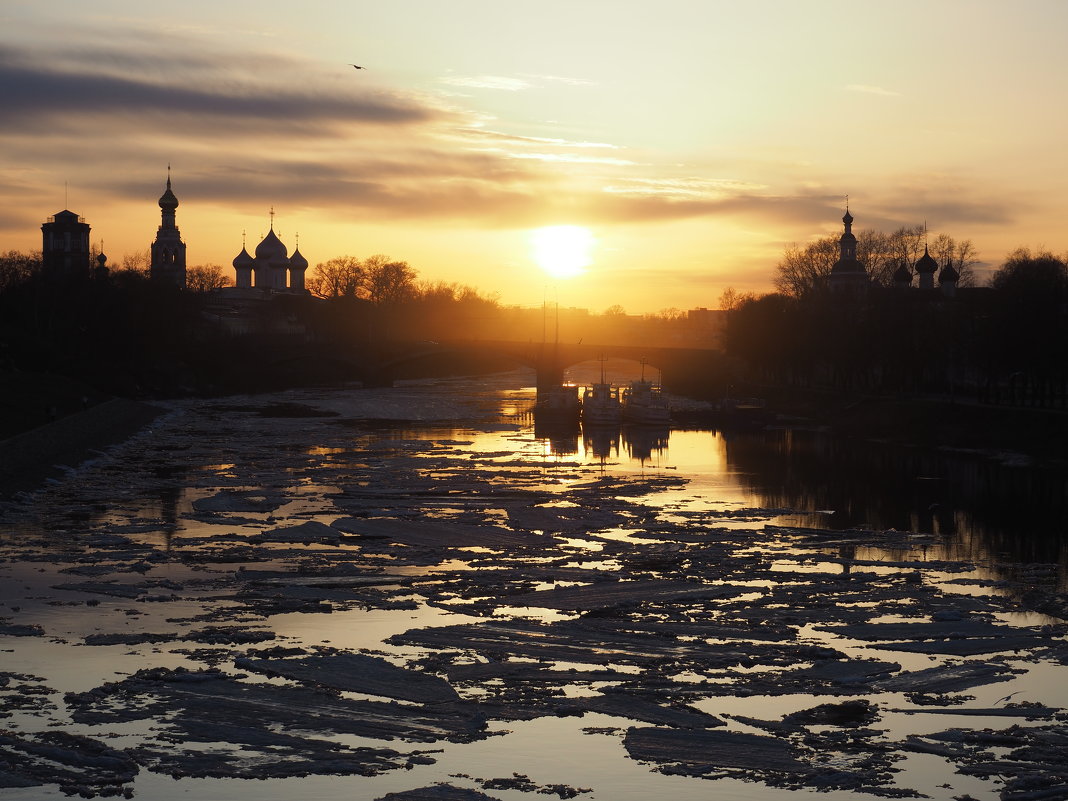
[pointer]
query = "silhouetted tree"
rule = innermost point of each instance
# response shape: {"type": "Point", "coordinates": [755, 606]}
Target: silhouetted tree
{"type": "Point", "coordinates": [205, 278]}
{"type": "Point", "coordinates": [1032, 278]}
{"type": "Point", "coordinates": [730, 298]}
{"type": "Point", "coordinates": [961, 255]}
{"type": "Point", "coordinates": [17, 267]}
{"type": "Point", "coordinates": [138, 262]}
{"type": "Point", "coordinates": [341, 277]}
{"type": "Point", "coordinates": [388, 281]}
{"type": "Point", "coordinates": [1029, 319]}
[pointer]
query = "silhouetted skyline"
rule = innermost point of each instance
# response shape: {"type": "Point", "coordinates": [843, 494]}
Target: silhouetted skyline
{"type": "Point", "coordinates": [694, 141]}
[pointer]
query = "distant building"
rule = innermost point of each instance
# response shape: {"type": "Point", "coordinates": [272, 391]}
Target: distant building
{"type": "Point", "coordinates": [168, 250]}
{"type": "Point", "coordinates": [848, 274]}
{"type": "Point", "coordinates": [272, 268]}
{"type": "Point", "coordinates": [65, 245]}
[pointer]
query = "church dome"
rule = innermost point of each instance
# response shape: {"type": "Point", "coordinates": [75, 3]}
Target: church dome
{"type": "Point", "coordinates": [167, 200]}
{"type": "Point", "coordinates": [271, 248]}
{"type": "Point", "coordinates": [298, 261]}
{"type": "Point", "coordinates": [243, 260]}
{"type": "Point", "coordinates": [948, 275]}
{"type": "Point", "coordinates": [903, 275]}
{"type": "Point", "coordinates": [926, 264]}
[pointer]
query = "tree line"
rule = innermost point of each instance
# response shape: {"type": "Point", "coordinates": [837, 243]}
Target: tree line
{"type": "Point", "coordinates": [1003, 343]}
{"type": "Point", "coordinates": [804, 267]}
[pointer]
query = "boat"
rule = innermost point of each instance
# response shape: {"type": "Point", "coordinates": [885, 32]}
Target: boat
{"type": "Point", "coordinates": [559, 401]}
{"type": "Point", "coordinates": [645, 403]}
{"type": "Point", "coordinates": [601, 404]}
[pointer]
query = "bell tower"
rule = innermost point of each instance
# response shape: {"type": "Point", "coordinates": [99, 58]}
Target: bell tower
{"type": "Point", "coordinates": [168, 251]}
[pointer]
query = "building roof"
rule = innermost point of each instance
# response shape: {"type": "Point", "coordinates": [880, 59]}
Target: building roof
{"type": "Point", "coordinates": [926, 264]}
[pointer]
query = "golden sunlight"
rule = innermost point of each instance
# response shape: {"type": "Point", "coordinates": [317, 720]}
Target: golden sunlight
{"type": "Point", "coordinates": [563, 250]}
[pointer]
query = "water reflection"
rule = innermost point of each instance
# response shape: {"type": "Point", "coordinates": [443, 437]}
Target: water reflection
{"type": "Point", "coordinates": [986, 508]}
{"type": "Point", "coordinates": [983, 510]}
{"type": "Point", "coordinates": [643, 442]}
{"type": "Point", "coordinates": [560, 434]}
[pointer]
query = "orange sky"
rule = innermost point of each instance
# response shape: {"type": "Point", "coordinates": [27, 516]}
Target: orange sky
{"type": "Point", "coordinates": [692, 140]}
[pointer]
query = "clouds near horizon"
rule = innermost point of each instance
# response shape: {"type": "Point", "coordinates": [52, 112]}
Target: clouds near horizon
{"type": "Point", "coordinates": [463, 130]}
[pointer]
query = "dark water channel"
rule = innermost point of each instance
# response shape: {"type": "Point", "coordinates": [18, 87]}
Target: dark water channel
{"type": "Point", "coordinates": [986, 509]}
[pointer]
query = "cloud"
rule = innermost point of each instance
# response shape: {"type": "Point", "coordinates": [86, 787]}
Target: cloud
{"type": "Point", "coordinates": [683, 188]}
{"type": "Point", "coordinates": [245, 129]}
{"type": "Point", "coordinates": [35, 91]}
{"type": "Point", "coordinates": [871, 90]}
{"type": "Point", "coordinates": [562, 79]}
{"type": "Point", "coordinates": [538, 141]}
{"type": "Point", "coordinates": [497, 82]}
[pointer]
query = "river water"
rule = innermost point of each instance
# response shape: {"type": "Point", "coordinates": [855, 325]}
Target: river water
{"type": "Point", "coordinates": [366, 593]}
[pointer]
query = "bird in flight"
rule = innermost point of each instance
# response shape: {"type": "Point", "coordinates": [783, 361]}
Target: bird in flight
{"type": "Point", "coordinates": [357, 66]}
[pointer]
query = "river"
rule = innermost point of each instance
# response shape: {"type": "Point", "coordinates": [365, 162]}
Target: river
{"type": "Point", "coordinates": [416, 593]}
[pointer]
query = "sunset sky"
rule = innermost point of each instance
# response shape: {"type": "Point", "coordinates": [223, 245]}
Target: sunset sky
{"type": "Point", "coordinates": [684, 143]}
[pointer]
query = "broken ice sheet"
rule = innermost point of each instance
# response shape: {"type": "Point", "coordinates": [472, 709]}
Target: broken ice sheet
{"type": "Point", "coordinates": [360, 673]}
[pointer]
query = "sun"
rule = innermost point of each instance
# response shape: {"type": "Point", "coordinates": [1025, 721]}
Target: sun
{"type": "Point", "coordinates": [563, 250]}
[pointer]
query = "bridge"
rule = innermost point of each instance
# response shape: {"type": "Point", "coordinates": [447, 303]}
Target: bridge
{"type": "Point", "coordinates": [700, 372]}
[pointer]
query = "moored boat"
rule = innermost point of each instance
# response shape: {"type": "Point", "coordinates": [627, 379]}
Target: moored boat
{"type": "Point", "coordinates": [644, 402]}
{"type": "Point", "coordinates": [601, 404]}
{"type": "Point", "coordinates": [561, 401]}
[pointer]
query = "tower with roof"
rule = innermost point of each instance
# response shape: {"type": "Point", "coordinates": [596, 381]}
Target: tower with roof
{"type": "Point", "coordinates": [168, 249]}
{"type": "Point", "coordinates": [65, 244]}
{"type": "Point", "coordinates": [848, 274]}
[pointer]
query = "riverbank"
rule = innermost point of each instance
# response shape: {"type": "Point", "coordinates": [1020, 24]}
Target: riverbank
{"type": "Point", "coordinates": [52, 424]}
{"type": "Point", "coordinates": [928, 422]}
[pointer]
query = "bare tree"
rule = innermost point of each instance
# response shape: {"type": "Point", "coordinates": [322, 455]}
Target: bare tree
{"type": "Point", "coordinates": [16, 267]}
{"type": "Point", "coordinates": [388, 281]}
{"type": "Point", "coordinates": [341, 277]}
{"type": "Point", "coordinates": [137, 262]}
{"type": "Point", "coordinates": [205, 278]}
{"type": "Point", "coordinates": [803, 268]}
{"type": "Point", "coordinates": [730, 299]}
{"type": "Point", "coordinates": [960, 255]}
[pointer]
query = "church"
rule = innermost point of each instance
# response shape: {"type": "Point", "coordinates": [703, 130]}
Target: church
{"type": "Point", "coordinates": [272, 267]}
{"type": "Point", "coordinates": [848, 275]}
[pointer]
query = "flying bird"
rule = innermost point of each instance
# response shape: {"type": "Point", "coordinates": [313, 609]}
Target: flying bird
{"type": "Point", "coordinates": [357, 66]}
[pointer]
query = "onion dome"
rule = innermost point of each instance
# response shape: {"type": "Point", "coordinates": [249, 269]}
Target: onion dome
{"type": "Point", "coordinates": [847, 251]}
{"type": "Point", "coordinates": [903, 275]}
{"type": "Point", "coordinates": [167, 200]}
{"type": "Point", "coordinates": [243, 260]}
{"type": "Point", "coordinates": [101, 259]}
{"type": "Point", "coordinates": [297, 261]}
{"type": "Point", "coordinates": [926, 264]}
{"type": "Point", "coordinates": [271, 248]}
{"type": "Point", "coordinates": [948, 275]}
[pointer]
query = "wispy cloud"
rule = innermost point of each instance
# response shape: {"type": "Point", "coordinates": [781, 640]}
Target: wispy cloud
{"type": "Point", "coordinates": [539, 141]}
{"type": "Point", "coordinates": [683, 188]}
{"type": "Point", "coordinates": [871, 90]}
{"type": "Point", "coordinates": [497, 82]}
{"type": "Point", "coordinates": [561, 79]}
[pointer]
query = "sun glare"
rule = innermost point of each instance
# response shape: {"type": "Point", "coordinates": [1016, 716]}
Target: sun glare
{"type": "Point", "coordinates": [563, 250]}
